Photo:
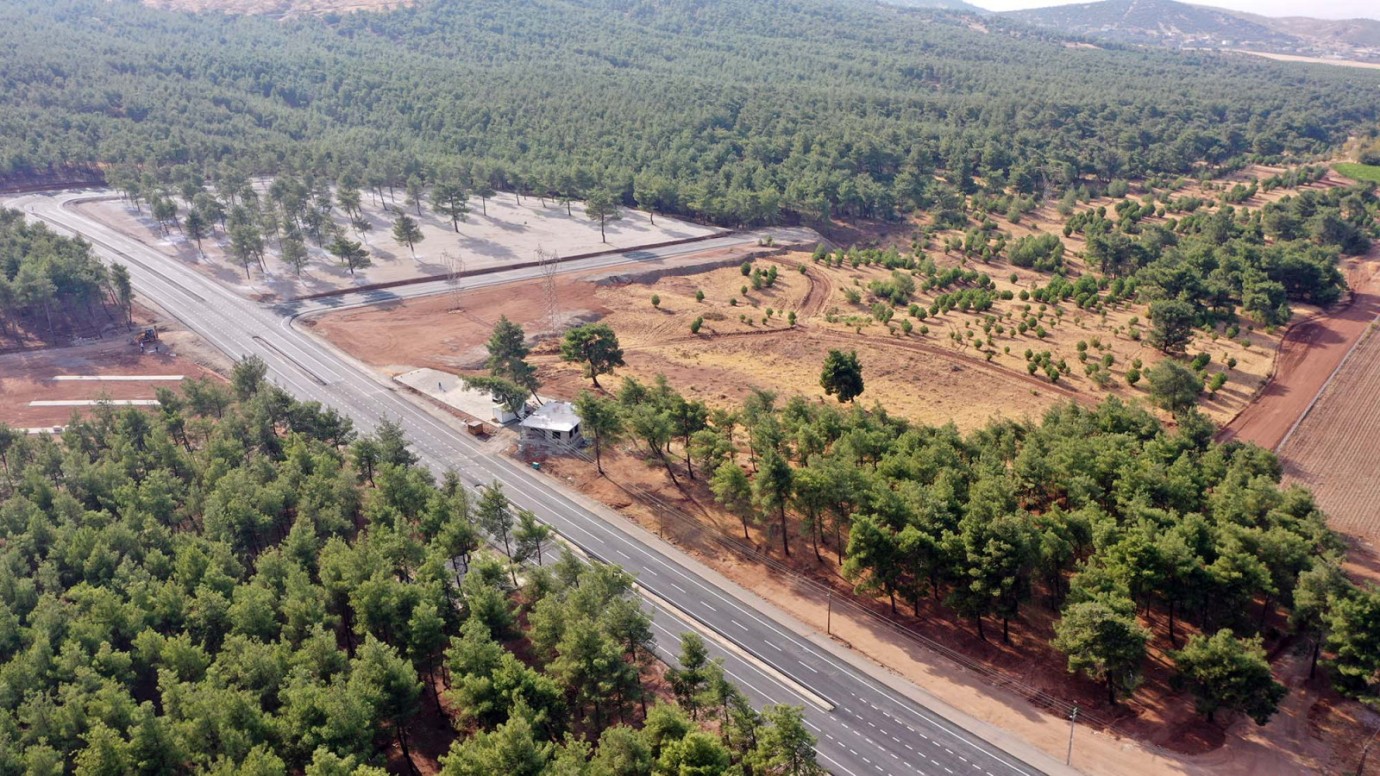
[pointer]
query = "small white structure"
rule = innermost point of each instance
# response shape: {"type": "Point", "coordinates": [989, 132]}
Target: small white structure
{"type": "Point", "coordinates": [552, 427]}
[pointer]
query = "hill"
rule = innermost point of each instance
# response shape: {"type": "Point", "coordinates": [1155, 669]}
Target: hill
{"type": "Point", "coordinates": [1154, 21]}
{"type": "Point", "coordinates": [1182, 25]}
{"type": "Point", "coordinates": [940, 5]}
{"type": "Point", "coordinates": [1360, 33]}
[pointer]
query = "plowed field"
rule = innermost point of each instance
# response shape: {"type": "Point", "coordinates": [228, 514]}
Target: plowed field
{"type": "Point", "coordinates": [1335, 451]}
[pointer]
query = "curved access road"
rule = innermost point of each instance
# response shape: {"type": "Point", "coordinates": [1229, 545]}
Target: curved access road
{"type": "Point", "coordinates": [866, 720]}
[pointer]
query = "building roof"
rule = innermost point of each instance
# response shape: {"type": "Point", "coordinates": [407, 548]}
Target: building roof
{"type": "Point", "coordinates": [553, 416]}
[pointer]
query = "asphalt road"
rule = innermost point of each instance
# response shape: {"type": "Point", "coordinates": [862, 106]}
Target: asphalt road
{"type": "Point", "coordinates": [864, 725]}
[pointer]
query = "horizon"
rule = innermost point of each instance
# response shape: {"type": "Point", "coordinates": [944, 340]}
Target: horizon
{"type": "Point", "coordinates": [1338, 9]}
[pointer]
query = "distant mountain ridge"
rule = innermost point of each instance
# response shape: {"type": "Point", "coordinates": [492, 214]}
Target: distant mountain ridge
{"type": "Point", "coordinates": [939, 5]}
{"type": "Point", "coordinates": [1181, 25]}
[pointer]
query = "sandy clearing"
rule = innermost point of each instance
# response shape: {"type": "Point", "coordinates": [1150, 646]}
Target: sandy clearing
{"type": "Point", "coordinates": [1310, 60]}
{"type": "Point", "coordinates": [504, 231]}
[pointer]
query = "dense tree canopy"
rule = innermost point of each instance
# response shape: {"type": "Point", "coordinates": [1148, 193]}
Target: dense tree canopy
{"type": "Point", "coordinates": [50, 283]}
{"type": "Point", "coordinates": [210, 587]}
{"type": "Point", "coordinates": [738, 111]}
{"type": "Point", "coordinates": [1100, 513]}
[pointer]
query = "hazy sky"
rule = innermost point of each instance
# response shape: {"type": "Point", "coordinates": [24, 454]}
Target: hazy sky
{"type": "Point", "coordinates": [1322, 9]}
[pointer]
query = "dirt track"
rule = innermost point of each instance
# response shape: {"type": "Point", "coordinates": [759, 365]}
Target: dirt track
{"type": "Point", "coordinates": [1310, 352]}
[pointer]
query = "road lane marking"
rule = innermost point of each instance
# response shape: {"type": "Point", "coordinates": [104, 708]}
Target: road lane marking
{"type": "Point", "coordinates": [747, 657]}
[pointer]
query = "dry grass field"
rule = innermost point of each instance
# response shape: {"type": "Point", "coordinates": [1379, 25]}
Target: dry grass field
{"type": "Point", "coordinates": [964, 367]}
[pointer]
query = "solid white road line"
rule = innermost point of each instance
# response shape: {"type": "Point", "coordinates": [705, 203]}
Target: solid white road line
{"type": "Point", "coordinates": [119, 378]}
{"type": "Point", "coordinates": [93, 402]}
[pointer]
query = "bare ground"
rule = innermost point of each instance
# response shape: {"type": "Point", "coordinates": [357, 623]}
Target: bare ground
{"type": "Point", "coordinates": [498, 233]}
{"type": "Point", "coordinates": [1311, 350]}
{"type": "Point", "coordinates": [1333, 450]}
{"type": "Point", "coordinates": [27, 376]}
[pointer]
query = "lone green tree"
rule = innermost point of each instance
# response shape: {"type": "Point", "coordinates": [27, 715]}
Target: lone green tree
{"type": "Point", "coordinates": [596, 347]}
{"type": "Point", "coordinates": [602, 206]}
{"type": "Point", "coordinates": [842, 376]}
{"type": "Point", "coordinates": [123, 291]}
{"type": "Point", "coordinates": [1172, 321]}
{"type": "Point", "coordinates": [601, 421]}
{"type": "Point", "coordinates": [772, 490]}
{"type": "Point", "coordinates": [1224, 672]}
{"type": "Point", "coordinates": [484, 191]}
{"type": "Point", "coordinates": [452, 201]}
{"type": "Point", "coordinates": [415, 193]}
{"type": "Point", "coordinates": [294, 253]}
{"type": "Point", "coordinates": [508, 353]}
{"type": "Point", "coordinates": [1173, 386]}
{"type": "Point", "coordinates": [1104, 642]}
{"type": "Point", "coordinates": [247, 377]}
{"type": "Point", "coordinates": [197, 227]}
{"type": "Point", "coordinates": [352, 255]}
{"type": "Point", "coordinates": [407, 232]}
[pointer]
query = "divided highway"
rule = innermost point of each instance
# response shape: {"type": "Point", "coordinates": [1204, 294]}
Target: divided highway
{"type": "Point", "coordinates": [864, 725]}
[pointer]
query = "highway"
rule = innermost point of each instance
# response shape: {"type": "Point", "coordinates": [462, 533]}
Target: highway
{"type": "Point", "coordinates": [866, 721]}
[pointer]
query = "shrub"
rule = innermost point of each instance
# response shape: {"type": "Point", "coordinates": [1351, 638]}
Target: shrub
{"type": "Point", "coordinates": [656, 301]}
{"type": "Point", "coordinates": [696, 324]}
{"type": "Point", "coordinates": [1043, 252]}
{"type": "Point", "coordinates": [1218, 380]}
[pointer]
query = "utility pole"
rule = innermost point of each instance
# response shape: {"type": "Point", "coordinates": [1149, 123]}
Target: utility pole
{"type": "Point", "coordinates": [455, 269]}
{"type": "Point", "coordinates": [1073, 723]}
{"type": "Point", "coordinates": [550, 264]}
{"type": "Point", "coordinates": [829, 615]}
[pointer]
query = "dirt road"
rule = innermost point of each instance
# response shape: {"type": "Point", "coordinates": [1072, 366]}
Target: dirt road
{"type": "Point", "coordinates": [1310, 353]}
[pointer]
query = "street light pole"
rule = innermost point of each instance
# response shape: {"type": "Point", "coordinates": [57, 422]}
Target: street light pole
{"type": "Point", "coordinates": [1073, 723]}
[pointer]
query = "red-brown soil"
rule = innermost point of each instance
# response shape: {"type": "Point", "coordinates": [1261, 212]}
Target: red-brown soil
{"type": "Point", "coordinates": [1333, 452]}
{"type": "Point", "coordinates": [27, 376]}
{"type": "Point", "coordinates": [1311, 350]}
